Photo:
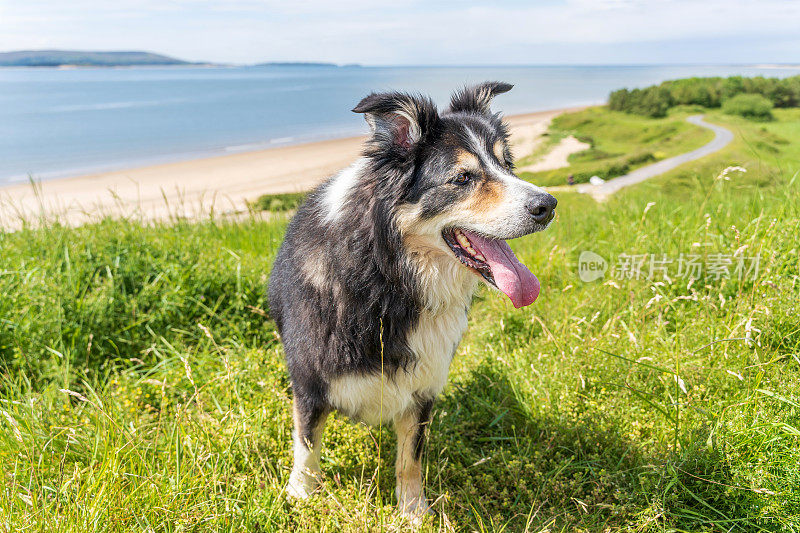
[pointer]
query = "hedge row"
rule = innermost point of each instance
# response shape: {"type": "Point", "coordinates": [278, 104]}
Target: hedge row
{"type": "Point", "coordinates": [655, 101]}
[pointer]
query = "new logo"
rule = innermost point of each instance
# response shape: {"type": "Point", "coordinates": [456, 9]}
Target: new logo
{"type": "Point", "coordinates": [591, 266]}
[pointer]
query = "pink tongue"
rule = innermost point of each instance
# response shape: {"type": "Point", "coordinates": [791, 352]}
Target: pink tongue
{"type": "Point", "coordinates": [511, 276]}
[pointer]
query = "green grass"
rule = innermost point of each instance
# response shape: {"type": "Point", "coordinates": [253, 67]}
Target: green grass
{"type": "Point", "coordinates": [620, 143]}
{"type": "Point", "coordinates": [143, 386]}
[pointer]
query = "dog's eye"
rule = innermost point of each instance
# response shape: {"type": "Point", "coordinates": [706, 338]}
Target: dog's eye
{"type": "Point", "coordinates": [462, 178]}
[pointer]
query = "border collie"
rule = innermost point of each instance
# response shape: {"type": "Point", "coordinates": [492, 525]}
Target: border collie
{"type": "Point", "coordinates": [371, 287]}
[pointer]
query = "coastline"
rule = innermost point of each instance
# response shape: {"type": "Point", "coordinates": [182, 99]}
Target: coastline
{"type": "Point", "coordinates": [217, 185]}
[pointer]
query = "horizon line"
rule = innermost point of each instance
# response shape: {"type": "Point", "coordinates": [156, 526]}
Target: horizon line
{"type": "Point", "coordinates": [205, 63]}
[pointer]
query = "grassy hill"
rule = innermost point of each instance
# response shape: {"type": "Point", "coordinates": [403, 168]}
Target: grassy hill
{"type": "Point", "coordinates": [619, 142]}
{"type": "Point", "coordinates": [143, 385]}
{"type": "Point", "coordinates": [55, 58]}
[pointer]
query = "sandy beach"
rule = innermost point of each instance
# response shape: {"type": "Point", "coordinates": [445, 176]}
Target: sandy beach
{"type": "Point", "coordinates": [221, 185]}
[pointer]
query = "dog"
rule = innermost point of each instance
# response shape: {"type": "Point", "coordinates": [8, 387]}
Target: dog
{"type": "Point", "coordinates": [371, 287]}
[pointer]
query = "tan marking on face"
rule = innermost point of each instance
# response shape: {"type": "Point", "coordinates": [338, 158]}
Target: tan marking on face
{"type": "Point", "coordinates": [498, 151]}
{"type": "Point", "coordinates": [467, 161]}
{"type": "Point", "coordinates": [486, 197]}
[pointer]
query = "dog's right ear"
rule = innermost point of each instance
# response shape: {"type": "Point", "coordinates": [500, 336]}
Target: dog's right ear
{"type": "Point", "coordinates": [476, 99]}
{"type": "Point", "coordinates": [399, 120]}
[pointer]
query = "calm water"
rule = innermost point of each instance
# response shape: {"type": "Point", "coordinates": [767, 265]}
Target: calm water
{"type": "Point", "coordinates": [56, 123]}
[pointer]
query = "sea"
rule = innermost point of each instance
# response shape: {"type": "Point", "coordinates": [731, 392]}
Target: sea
{"type": "Point", "coordinates": [56, 123]}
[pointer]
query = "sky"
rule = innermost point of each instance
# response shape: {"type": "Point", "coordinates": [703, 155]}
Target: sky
{"type": "Point", "coordinates": [416, 32]}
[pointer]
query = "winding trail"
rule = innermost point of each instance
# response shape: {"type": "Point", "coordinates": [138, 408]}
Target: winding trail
{"type": "Point", "coordinates": [722, 137]}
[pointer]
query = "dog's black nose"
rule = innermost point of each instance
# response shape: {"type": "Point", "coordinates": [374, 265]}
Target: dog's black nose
{"type": "Point", "coordinates": [542, 207]}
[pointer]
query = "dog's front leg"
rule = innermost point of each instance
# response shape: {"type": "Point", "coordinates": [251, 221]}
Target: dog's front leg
{"type": "Point", "coordinates": [309, 421]}
{"type": "Point", "coordinates": [411, 427]}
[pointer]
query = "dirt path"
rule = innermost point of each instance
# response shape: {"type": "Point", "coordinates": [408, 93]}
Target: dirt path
{"type": "Point", "coordinates": [557, 157]}
{"type": "Point", "coordinates": [722, 137]}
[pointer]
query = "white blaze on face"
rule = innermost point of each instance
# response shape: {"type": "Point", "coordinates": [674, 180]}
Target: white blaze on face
{"type": "Point", "coordinates": [489, 212]}
{"type": "Point", "coordinates": [496, 209]}
{"type": "Point", "coordinates": [510, 214]}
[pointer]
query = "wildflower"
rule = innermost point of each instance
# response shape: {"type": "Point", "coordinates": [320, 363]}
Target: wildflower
{"type": "Point", "coordinates": [681, 383]}
{"type": "Point", "coordinates": [737, 235]}
{"type": "Point", "coordinates": [655, 299]}
{"type": "Point", "coordinates": [206, 331]}
{"type": "Point", "coordinates": [737, 375]}
{"type": "Point", "coordinates": [725, 174]}
{"type": "Point", "coordinates": [14, 425]}
{"type": "Point", "coordinates": [77, 395]}
{"type": "Point", "coordinates": [188, 370]}
{"type": "Point", "coordinates": [748, 333]}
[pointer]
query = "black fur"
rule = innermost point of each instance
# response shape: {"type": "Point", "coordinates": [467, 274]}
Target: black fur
{"type": "Point", "coordinates": [423, 421]}
{"type": "Point", "coordinates": [476, 99]}
{"type": "Point", "coordinates": [359, 324]}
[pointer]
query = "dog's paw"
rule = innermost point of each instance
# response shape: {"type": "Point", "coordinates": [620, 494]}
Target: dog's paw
{"type": "Point", "coordinates": [415, 512]}
{"type": "Point", "coordinates": [415, 508]}
{"type": "Point", "coordinates": [301, 486]}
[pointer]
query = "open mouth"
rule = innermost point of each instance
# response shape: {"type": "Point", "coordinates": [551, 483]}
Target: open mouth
{"type": "Point", "coordinates": [496, 263]}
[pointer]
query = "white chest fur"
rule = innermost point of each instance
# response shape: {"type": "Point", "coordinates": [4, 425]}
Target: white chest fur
{"type": "Point", "coordinates": [448, 288]}
{"type": "Point", "coordinates": [374, 398]}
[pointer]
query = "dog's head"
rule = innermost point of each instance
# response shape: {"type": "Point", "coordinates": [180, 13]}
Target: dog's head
{"type": "Point", "coordinates": [458, 192]}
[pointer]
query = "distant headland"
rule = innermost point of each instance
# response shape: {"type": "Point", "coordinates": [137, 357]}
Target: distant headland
{"type": "Point", "coordinates": [61, 58]}
{"type": "Point", "coordinates": [75, 58]}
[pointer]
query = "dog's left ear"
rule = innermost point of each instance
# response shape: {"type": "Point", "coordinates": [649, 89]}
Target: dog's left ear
{"type": "Point", "coordinates": [476, 99]}
{"type": "Point", "coordinates": [398, 119]}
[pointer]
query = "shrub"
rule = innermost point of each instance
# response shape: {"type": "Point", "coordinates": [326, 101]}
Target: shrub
{"type": "Point", "coordinates": [752, 106]}
{"type": "Point", "coordinates": [614, 169]}
{"type": "Point", "coordinates": [653, 101]}
{"type": "Point", "coordinates": [279, 202]}
{"type": "Point", "coordinates": [619, 100]}
{"type": "Point", "coordinates": [695, 91]}
{"type": "Point", "coordinates": [643, 157]}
